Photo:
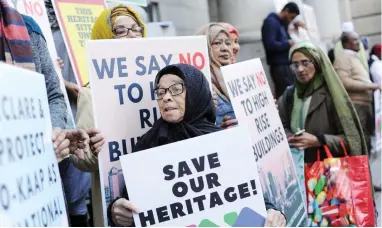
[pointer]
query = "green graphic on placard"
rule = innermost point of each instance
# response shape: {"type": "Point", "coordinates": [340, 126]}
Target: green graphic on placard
{"type": "Point", "coordinates": [207, 223]}
{"type": "Point", "coordinates": [246, 217]}
{"type": "Point", "coordinates": [230, 218]}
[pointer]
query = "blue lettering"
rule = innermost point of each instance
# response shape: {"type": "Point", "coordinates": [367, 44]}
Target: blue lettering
{"type": "Point", "coordinates": [132, 141]}
{"type": "Point", "coordinates": [141, 65]}
{"type": "Point", "coordinates": [104, 68]}
{"type": "Point", "coordinates": [122, 66]}
{"type": "Point", "coordinates": [124, 149]}
{"type": "Point", "coordinates": [120, 95]}
{"type": "Point", "coordinates": [153, 65]}
{"type": "Point", "coordinates": [114, 151]}
{"type": "Point", "coordinates": [140, 92]}
{"type": "Point", "coordinates": [168, 60]}
{"type": "Point", "coordinates": [145, 117]}
{"type": "Point", "coordinates": [152, 90]}
{"type": "Point", "coordinates": [155, 114]}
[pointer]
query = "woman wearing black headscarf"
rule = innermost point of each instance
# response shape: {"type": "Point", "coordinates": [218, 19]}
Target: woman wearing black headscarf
{"type": "Point", "coordinates": [187, 111]}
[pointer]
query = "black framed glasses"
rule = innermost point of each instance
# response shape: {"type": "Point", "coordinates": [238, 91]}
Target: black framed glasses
{"type": "Point", "coordinates": [174, 90]}
{"type": "Point", "coordinates": [121, 31]}
{"type": "Point", "coordinates": [304, 63]}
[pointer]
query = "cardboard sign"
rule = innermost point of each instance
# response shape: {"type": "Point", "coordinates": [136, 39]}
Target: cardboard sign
{"type": "Point", "coordinates": [30, 184]}
{"type": "Point", "coordinates": [197, 182]}
{"type": "Point", "coordinates": [254, 107]}
{"type": "Point", "coordinates": [76, 19]}
{"type": "Point", "coordinates": [122, 84]}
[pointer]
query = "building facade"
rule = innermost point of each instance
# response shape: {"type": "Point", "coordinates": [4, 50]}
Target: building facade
{"type": "Point", "coordinates": [247, 16]}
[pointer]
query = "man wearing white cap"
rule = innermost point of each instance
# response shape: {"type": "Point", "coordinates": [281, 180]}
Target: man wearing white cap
{"type": "Point", "coordinates": [356, 81]}
{"type": "Point", "coordinates": [348, 27]}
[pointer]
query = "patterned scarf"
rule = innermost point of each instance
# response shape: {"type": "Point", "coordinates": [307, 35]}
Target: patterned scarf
{"type": "Point", "coordinates": [102, 28]}
{"type": "Point", "coordinates": [15, 45]}
{"type": "Point", "coordinates": [346, 112]}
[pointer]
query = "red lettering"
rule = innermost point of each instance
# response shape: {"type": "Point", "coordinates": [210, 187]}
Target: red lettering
{"type": "Point", "coordinates": [183, 60]}
{"type": "Point", "coordinates": [195, 61]}
{"type": "Point", "coordinates": [198, 60]}
{"type": "Point", "coordinates": [33, 8]}
{"type": "Point", "coordinates": [261, 80]}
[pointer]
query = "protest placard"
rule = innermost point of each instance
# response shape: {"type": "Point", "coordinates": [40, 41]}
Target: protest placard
{"type": "Point", "coordinates": [197, 182]}
{"type": "Point", "coordinates": [36, 9]}
{"type": "Point", "coordinates": [122, 84]}
{"type": "Point", "coordinates": [76, 19]}
{"type": "Point", "coordinates": [30, 184]}
{"type": "Point", "coordinates": [254, 107]}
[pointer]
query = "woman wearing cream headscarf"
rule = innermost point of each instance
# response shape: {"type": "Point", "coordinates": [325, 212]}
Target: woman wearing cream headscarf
{"type": "Point", "coordinates": [220, 52]}
{"type": "Point", "coordinates": [114, 23]}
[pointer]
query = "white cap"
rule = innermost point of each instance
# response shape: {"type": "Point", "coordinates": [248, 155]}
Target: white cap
{"type": "Point", "coordinates": [348, 27]}
{"type": "Point", "coordinates": [298, 18]}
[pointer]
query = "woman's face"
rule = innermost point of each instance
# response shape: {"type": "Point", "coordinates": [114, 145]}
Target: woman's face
{"type": "Point", "coordinates": [171, 97]}
{"type": "Point", "coordinates": [303, 67]}
{"type": "Point", "coordinates": [235, 44]}
{"type": "Point", "coordinates": [126, 27]}
{"type": "Point", "coordinates": [222, 49]}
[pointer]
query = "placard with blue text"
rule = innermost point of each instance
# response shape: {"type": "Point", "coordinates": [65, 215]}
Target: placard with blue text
{"type": "Point", "coordinates": [255, 109]}
{"type": "Point", "coordinates": [122, 74]}
{"type": "Point", "coordinates": [206, 181]}
{"type": "Point", "coordinates": [30, 184]}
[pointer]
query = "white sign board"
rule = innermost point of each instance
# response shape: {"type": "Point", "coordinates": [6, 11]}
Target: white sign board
{"type": "Point", "coordinates": [122, 74]}
{"type": "Point", "coordinates": [198, 182]}
{"type": "Point", "coordinates": [255, 109]}
{"type": "Point", "coordinates": [30, 184]}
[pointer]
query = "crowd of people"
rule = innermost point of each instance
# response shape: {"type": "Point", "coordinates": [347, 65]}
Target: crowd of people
{"type": "Point", "coordinates": [329, 96]}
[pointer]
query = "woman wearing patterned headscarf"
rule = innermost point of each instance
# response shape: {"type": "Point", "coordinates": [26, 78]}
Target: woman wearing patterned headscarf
{"type": "Point", "coordinates": [220, 52]}
{"type": "Point", "coordinates": [118, 22]}
{"type": "Point", "coordinates": [114, 23]}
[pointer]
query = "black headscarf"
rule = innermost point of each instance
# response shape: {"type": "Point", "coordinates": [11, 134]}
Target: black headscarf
{"type": "Point", "coordinates": [199, 117]}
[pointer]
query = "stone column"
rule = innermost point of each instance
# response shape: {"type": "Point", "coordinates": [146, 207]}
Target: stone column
{"type": "Point", "coordinates": [345, 10]}
{"type": "Point", "coordinates": [328, 18]}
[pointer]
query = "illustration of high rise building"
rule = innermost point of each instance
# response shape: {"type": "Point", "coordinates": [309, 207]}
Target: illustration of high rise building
{"type": "Point", "coordinates": [272, 185]}
{"type": "Point", "coordinates": [113, 183]}
{"type": "Point", "coordinates": [264, 182]}
{"type": "Point", "coordinates": [108, 195]}
{"type": "Point", "coordinates": [121, 181]}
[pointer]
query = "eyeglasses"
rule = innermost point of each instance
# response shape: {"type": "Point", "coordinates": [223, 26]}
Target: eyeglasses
{"type": "Point", "coordinates": [304, 63]}
{"type": "Point", "coordinates": [174, 90]}
{"type": "Point", "coordinates": [121, 31]}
